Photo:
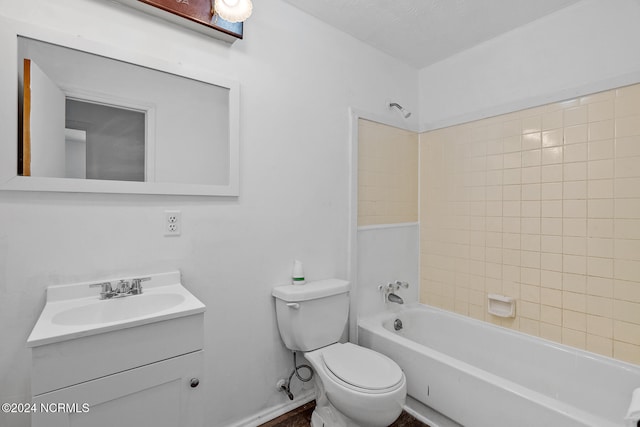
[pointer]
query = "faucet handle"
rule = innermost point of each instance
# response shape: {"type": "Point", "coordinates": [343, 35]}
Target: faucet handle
{"type": "Point", "coordinates": [389, 287]}
{"type": "Point", "coordinates": [400, 284]}
{"type": "Point", "coordinates": [385, 290]}
{"type": "Point", "coordinates": [136, 285]}
{"type": "Point", "coordinates": [106, 289]}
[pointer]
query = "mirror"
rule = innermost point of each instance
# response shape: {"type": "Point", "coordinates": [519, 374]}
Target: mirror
{"type": "Point", "coordinates": [92, 118]}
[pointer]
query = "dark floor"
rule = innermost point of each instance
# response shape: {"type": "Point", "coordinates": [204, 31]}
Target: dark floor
{"type": "Point", "coordinates": [301, 417]}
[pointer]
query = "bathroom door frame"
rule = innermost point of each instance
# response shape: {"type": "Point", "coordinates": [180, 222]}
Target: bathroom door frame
{"type": "Point", "coordinates": [390, 119]}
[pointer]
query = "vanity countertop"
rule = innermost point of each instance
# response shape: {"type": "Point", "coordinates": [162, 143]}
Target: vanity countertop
{"type": "Point", "coordinates": [76, 310]}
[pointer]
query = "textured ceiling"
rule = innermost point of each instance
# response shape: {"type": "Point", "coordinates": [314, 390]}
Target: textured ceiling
{"type": "Point", "coordinates": [422, 32]}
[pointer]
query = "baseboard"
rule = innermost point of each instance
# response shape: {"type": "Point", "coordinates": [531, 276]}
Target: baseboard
{"type": "Point", "coordinates": [275, 411]}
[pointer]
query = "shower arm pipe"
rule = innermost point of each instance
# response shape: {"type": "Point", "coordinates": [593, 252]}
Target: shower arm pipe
{"type": "Point", "coordinates": [405, 113]}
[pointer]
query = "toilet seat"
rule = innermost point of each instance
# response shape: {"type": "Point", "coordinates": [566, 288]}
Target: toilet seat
{"type": "Point", "coordinates": [362, 369]}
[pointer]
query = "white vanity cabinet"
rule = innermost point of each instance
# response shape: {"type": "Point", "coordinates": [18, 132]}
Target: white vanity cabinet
{"type": "Point", "coordinates": [137, 370]}
{"type": "Point", "coordinates": [162, 394]}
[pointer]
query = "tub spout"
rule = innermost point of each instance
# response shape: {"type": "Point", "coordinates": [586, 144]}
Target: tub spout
{"type": "Point", "coordinates": [389, 291]}
{"type": "Point", "coordinates": [394, 298]}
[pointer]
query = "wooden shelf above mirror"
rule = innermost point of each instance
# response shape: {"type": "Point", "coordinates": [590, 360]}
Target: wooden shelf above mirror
{"type": "Point", "coordinates": [194, 14]}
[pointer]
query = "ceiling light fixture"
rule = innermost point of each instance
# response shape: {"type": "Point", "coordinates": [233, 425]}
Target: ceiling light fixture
{"type": "Point", "coordinates": [233, 10]}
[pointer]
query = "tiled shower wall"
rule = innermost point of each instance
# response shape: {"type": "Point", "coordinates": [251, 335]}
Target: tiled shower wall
{"type": "Point", "coordinates": [387, 174]}
{"type": "Point", "coordinates": [542, 205]}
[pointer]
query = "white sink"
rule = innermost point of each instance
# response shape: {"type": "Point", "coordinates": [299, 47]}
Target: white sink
{"type": "Point", "coordinates": [119, 309]}
{"type": "Point", "coordinates": [74, 311]}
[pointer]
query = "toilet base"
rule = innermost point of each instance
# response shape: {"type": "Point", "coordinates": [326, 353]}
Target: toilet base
{"type": "Point", "coordinates": [328, 416]}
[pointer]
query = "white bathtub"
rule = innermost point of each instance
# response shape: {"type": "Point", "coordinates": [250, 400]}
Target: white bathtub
{"type": "Point", "coordinates": [481, 375]}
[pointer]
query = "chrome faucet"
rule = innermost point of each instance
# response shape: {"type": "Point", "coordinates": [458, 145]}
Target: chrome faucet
{"type": "Point", "coordinates": [389, 291]}
{"type": "Point", "coordinates": [123, 289]}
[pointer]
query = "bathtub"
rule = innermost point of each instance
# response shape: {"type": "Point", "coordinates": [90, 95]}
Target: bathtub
{"type": "Point", "coordinates": [481, 375]}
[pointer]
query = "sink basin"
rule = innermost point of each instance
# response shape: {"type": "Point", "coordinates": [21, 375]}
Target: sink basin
{"type": "Point", "coordinates": [117, 309]}
{"type": "Point", "coordinates": [74, 311]}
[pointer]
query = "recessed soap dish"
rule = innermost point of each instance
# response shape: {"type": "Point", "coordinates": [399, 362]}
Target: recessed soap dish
{"type": "Point", "coordinates": [502, 306]}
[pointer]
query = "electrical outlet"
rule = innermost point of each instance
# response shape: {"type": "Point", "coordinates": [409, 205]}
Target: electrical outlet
{"type": "Point", "coordinates": [172, 223]}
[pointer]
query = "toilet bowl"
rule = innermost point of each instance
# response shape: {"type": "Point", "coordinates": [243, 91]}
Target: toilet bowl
{"type": "Point", "coordinates": [356, 387]}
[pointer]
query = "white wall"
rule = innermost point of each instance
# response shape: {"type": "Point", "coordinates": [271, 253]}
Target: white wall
{"type": "Point", "coordinates": [588, 47]}
{"type": "Point", "coordinates": [298, 77]}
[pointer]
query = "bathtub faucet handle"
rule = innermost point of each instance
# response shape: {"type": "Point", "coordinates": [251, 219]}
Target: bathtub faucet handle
{"type": "Point", "coordinates": [389, 287]}
{"type": "Point", "coordinates": [400, 284]}
{"type": "Point", "coordinates": [385, 290]}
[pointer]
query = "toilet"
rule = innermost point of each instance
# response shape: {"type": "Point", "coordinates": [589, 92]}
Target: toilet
{"type": "Point", "coordinates": [355, 386]}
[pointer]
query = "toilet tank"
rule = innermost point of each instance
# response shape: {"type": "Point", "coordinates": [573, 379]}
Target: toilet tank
{"type": "Point", "coordinates": [313, 315]}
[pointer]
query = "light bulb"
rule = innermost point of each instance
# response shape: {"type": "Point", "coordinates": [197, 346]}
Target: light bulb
{"type": "Point", "coordinates": [233, 10]}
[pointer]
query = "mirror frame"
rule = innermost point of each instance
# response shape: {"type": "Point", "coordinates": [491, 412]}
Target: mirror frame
{"type": "Point", "coordinates": [9, 180]}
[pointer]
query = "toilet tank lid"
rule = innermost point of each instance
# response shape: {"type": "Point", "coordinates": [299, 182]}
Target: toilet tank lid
{"type": "Point", "coordinates": [311, 290]}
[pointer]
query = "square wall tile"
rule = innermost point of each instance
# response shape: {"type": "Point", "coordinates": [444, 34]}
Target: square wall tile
{"type": "Point", "coordinates": [574, 245]}
{"type": "Point", "coordinates": [552, 315]}
{"type": "Point", "coordinates": [600, 286]}
{"type": "Point", "coordinates": [598, 150]}
{"type": "Point", "coordinates": [573, 282]}
{"type": "Point", "coordinates": [574, 338]}
{"type": "Point", "coordinates": [601, 169]}
{"type": "Point", "coordinates": [600, 208]}
{"type": "Point", "coordinates": [627, 167]}
{"type": "Point", "coordinates": [627, 101]}
{"type": "Point", "coordinates": [627, 352]}
{"type": "Point", "coordinates": [576, 303]}
{"type": "Point", "coordinates": [627, 270]}
{"type": "Point", "coordinates": [600, 247]}
{"type": "Point", "coordinates": [552, 120]}
{"type": "Point", "coordinates": [551, 279]}
{"type": "Point", "coordinates": [626, 291]}
{"type": "Point", "coordinates": [575, 115]}
{"type": "Point", "coordinates": [575, 171]}
{"type": "Point", "coordinates": [551, 297]}
{"type": "Point", "coordinates": [552, 173]}
{"type": "Point", "coordinates": [626, 311]}
{"type": "Point", "coordinates": [627, 126]}
{"type": "Point", "coordinates": [599, 131]}
{"type": "Point", "coordinates": [551, 332]}
{"type": "Point", "coordinates": [600, 326]}
{"type": "Point", "coordinates": [575, 189]}
{"type": "Point", "coordinates": [552, 155]}
{"type": "Point", "coordinates": [600, 306]}
{"type": "Point", "coordinates": [576, 152]}
{"type": "Point", "coordinates": [599, 111]}
{"type": "Point", "coordinates": [600, 345]}
{"type": "Point", "coordinates": [574, 208]}
{"type": "Point", "coordinates": [550, 261]}
{"type": "Point", "coordinates": [575, 134]}
{"type": "Point", "coordinates": [627, 146]}
{"type": "Point", "coordinates": [531, 141]}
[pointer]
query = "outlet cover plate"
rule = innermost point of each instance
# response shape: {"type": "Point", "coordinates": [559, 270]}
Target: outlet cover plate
{"type": "Point", "coordinates": [172, 223]}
